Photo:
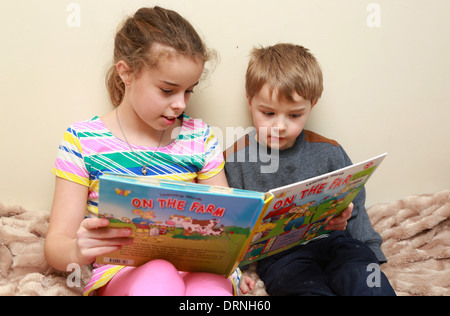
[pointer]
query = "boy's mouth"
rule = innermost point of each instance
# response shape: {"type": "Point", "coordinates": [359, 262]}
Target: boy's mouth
{"type": "Point", "coordinates": [276, 139]}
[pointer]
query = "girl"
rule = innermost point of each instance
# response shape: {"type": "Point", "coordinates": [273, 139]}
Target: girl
{"type": "Point", "coordinates": [158, 60]}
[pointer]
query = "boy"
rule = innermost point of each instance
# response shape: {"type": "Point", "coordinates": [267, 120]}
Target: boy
{"type": "Point", "coordinates": [283, 84]}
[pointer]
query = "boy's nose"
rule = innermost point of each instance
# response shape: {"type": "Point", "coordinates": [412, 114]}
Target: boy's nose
{"type": "Point", "coordinates": [280, 124]}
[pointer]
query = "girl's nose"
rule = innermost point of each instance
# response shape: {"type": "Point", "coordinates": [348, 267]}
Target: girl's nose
{"type": "Point", "coordinates": [179, 104]}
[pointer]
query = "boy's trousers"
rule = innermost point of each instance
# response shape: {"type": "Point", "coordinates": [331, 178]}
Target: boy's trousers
{"type": "Point", "coordinates": [335, 265]}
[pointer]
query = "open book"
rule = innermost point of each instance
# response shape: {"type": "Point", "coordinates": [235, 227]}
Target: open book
{"type": "Point", "coordinates": [202, 228]}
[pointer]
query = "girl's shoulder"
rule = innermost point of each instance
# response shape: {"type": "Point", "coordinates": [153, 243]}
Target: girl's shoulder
{"type": "Point", "coordinates": [190, 123]}
{"type": "Point", "coordinates": [94, 123]}
{"type": "Point", "coordinates": [87, 127]}
{"type": "Point", "coordinates": [193, 127]}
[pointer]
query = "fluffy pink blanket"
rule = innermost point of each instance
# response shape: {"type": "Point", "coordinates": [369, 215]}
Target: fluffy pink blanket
{"type": "Point", "coordinates": [415, 231]}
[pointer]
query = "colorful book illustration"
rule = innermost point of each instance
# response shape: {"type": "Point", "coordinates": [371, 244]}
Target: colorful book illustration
{"type": "Point", "coordinates": [202, 228]}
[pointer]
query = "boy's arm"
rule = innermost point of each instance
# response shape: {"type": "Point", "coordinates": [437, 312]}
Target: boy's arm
{"type": "Point", "coordinates": [360, 227]}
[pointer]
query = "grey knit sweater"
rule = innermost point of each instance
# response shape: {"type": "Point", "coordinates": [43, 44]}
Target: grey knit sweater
{"type": "Point", "coordinates": [253, 167]}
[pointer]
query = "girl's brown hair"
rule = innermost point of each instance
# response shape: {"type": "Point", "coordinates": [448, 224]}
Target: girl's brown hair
{"type": "Point", "coordinates": [286, 68]}
{"type": "Point", "coordinates": [135, 38]}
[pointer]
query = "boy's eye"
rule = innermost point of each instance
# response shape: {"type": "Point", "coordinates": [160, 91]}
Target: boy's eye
{"type": "Point", "coordinates": [269, 113]}
{"type": "Point", "coordinates": [189, 91]}
{"type": "Point", "coordinates": [295, 115]}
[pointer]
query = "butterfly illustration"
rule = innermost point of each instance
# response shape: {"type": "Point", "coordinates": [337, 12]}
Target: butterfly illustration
{"type": "Point", "coordinates": [122, 192]}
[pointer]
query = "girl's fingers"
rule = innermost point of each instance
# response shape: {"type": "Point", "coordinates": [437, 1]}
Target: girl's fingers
{"type": "Point", "coordinates": [96, 228]}
{"type": "Point", "coordinates": [95, 239]}
{"type": "Point", "coordinates": [93, 253]}
{"type": "Point", "coordinates": [95, 243]}
{"type": "Point", "coordinates": [93, 223]}
{"type": "Point", "coordinates": [92, 248]}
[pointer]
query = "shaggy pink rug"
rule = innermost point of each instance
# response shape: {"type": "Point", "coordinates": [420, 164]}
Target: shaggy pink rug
{"type": "Point", "coordinates": [415, 230]}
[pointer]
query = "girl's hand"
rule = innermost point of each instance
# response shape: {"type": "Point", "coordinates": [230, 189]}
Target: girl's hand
{"type": "Point", "coordinates": [340, 223]}
{"type": "Point", "coordinates": [247, 284]}
{"type": "Point", "coordinates": [95, 239]}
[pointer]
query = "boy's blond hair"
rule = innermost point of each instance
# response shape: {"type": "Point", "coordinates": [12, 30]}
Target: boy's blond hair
{"type": "Point", "coordinates": [286, 68]}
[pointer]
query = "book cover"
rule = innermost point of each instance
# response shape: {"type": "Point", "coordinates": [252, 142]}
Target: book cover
{"type": "Point", "coordinates": [196, 227]}
{"type": "Point", "coordinates": [300, 212]}
{"type": "Point", "coordinates": [202, 228]}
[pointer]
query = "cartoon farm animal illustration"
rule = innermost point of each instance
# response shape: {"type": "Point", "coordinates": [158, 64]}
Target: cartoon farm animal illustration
{"type": "Point", "coordinates": [177, 220]}
{"type": "Point", "coordinates": [106, 215]}
{"type": "Point", "coordinates": [254, 251]}
{"type": "Point", "coordinates": [190, 226]}
{"type": "Point", "coordinates": [215, 232]}
{"type": "Point", "coordinates": [126, 220]}
{"type": "Point", "coordinates": [264, 230]}
{"type": "Point", "coordinates": [298, 216]}
{"type": "Point", "coordinates": [204, 227]}
{"type": "Point", "coordinates": [144, 220]}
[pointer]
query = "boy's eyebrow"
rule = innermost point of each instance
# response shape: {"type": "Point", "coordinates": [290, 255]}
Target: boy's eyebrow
{"type": "Point", "coordinates": [266, 106]}
{"type": "Point", "coordinates": [269, 107]}
{"type": "Point", "coordinates": [302, 108]}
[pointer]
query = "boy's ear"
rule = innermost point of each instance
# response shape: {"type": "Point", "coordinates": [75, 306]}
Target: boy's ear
{"type": "Point", "coordinates": [124, 72]}
{"type": "Point", "coordinates": [314, 104]}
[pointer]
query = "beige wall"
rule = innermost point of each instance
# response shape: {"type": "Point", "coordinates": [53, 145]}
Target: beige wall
{"type": "Point", "coordinates": [387, 76]}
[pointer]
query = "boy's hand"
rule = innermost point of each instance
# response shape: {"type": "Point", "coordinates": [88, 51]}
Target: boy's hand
{"type": "Point", "coordinates": [247, 284]}
{"type": "Point", "coordinates": [340, 223]}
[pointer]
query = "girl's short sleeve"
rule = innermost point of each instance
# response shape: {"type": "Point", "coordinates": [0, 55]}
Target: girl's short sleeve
{"type": "Point", "coordinates": [69, 162]}
{"type": "Point", "coordinates": [214, 161]}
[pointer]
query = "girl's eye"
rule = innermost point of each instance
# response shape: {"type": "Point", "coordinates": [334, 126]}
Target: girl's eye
{"type": "Point", "coordinates": [168, 91]}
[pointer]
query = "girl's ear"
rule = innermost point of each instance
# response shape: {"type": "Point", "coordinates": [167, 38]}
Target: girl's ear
{"type": "Point", "coordinates": [249, 101]}
{"type": "Point", "coordinates": [124, 72]}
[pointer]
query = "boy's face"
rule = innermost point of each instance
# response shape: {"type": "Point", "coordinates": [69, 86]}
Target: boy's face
{"type": "Point", "coordinates": [278, 123]}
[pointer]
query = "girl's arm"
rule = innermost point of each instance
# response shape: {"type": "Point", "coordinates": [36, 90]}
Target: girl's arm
{"type": "Point", "coordinates": [220, 180]}
{"type": "Point", "coordinates": [73, 239]}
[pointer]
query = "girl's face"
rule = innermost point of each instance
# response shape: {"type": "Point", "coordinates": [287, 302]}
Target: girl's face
{"type": "Point", "coordinates": [158, 96]}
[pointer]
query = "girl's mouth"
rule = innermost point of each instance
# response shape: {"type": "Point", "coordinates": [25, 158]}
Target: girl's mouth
{"type": "Point", "coordinates": [169, 120]}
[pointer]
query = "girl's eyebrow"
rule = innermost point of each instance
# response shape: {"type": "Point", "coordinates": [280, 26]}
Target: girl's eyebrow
{"type": "Point", "coordinates": [175, 84]}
